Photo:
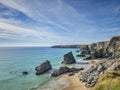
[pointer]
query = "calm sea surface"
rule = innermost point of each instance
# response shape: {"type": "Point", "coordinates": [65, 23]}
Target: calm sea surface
{"type": "Point", "coordinates": [15, 60]}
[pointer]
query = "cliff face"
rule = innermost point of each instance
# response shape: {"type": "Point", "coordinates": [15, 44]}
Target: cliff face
{"type": "Point", "coordinates": [103, 49]}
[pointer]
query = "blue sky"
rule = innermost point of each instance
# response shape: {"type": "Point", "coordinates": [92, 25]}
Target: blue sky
{"type": "Point", "coordinates": [54, 22]}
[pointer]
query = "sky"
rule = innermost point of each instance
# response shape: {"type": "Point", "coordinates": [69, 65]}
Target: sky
{"type": "Point", "coordinates": [58, 22]}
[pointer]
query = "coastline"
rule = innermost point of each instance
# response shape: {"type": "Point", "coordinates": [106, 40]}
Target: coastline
{"type": "Point", "coordinates": [74, 82]}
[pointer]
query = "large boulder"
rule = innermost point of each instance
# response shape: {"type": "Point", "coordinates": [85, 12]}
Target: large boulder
{"type": "Point", "coordinates": [69, 58]}
{"type": "Point", "coordinates": [44, 67]}
{"type": "Point", "coordinates": [60, 71]}
{"type": "Point", "coordinates": [65, 69]}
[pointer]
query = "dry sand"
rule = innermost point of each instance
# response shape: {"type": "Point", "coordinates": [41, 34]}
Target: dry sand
{"type": "Point", "coordinates": [75, 84]}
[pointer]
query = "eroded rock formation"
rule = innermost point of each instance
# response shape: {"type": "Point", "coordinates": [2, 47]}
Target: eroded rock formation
{"type": "Point", "coordinates": [69, 58]}
{"type": "Point", "coordinates": [44, 67]}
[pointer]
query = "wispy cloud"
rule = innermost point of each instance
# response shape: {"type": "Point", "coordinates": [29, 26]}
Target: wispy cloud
{"type": "Point", "coordinates": [21, 32]}
{"type": "Point", "coordinates": [54, 12]}
{"type": "Point", "coordinates": [57, 20]}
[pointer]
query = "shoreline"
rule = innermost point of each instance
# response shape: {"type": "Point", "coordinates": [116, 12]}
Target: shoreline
{"type": "Point", "coordinates": [74, 82]}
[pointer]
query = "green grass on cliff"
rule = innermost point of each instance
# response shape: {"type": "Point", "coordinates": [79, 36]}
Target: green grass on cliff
{"type": "Point", "coordinates": [109, 81]}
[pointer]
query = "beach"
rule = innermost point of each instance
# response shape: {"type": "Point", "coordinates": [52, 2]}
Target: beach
{"type": "Point", "coordinates": [74, 83]}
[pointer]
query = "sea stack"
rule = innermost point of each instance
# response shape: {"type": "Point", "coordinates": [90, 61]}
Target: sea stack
{"type": "Point", "coordinates": [69, 58]}
{"type": "Point", "coordinates": [44, 67]}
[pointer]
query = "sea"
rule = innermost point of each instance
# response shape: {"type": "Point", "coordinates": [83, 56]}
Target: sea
{"type": "Point", "coordinates": [15, 60]}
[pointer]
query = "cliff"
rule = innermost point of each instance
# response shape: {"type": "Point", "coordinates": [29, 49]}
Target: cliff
{"type": "Point", "coordinates": [98, 50]}
{"type": "Point", "coordinates": [103, 49]}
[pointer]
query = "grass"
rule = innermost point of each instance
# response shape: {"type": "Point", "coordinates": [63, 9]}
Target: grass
{"type": "Point", "coordinates": [109, 81]}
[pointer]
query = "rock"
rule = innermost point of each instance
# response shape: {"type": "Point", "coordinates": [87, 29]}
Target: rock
{"type": "Point", "coordinates": [71, 74]}
{"type": "Point", "coordinates": [63, 70]}
{"type": "Point", "coordinates": [25, 73]}
{"type": "Point", "coordinates": [87, 57]}
{"type": "Point", "coordinates": [103, 49]}
{"type": "Point", "coordinates": [85, 50]}
{"type": "Point", "coordinates": [91, 76]}
{"type": "Point", "coordinates": [69, 58]}
{"type": "Point", "coordinates": [44, 67]}
{"type": "Point", "coordinates": [60, 71]}
{"type": "Point", "coordinates": [75, 70]}
{"type": "Point", "coordinates": [115, 66]}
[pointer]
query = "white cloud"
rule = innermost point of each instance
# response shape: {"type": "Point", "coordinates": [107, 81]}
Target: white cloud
{"type": "Point", "coordinates": [8, 30]}
{"type": "Point", "coordinates": [54, 12]}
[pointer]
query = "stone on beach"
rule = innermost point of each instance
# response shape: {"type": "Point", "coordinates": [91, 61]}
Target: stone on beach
{"type": "Point", "coordinates": [44, 67]}
{"type": "Point", "coordinates": [69, 58]}
{"type": "Point", "coordinates": [63, 70]}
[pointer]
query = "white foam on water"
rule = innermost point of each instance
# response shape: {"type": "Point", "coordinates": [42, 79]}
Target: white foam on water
{"type": "Point", "coordinates": [58, 84]}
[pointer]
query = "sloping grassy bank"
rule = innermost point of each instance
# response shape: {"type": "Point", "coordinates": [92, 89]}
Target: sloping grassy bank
{"type": "Point", "coordinates": [109, 81]}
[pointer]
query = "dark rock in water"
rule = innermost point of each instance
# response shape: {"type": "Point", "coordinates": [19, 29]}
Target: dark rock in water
{"type": "Point", "coordinates": [69, 58]}
{"type": "Point", "coordinates": [25, 73]}
{"type": "Point", "coordinates": [63, 70]}
{"type": "Point", "coordinates": [44, 67]}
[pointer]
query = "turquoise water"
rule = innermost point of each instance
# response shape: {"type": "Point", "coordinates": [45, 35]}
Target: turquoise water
{"type": "Point", "coordinates": [15, 60]}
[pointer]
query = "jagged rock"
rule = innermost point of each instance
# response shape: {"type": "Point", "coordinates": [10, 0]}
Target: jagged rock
{"type": "Point", "coordinates": [63, 70]}
{"type": "Point", "coordinates": [115, 66]}
{"type": "Point", "coordinates": [44, 67]}
{"type": "Point", "coordinates": [103, 49]}
{"type": "Point", "coordinates": [25, 73]}
{"type": "Point", "coordinates": [91, 76]}
{"type": "Point", "coordinates": [85, 50]}
{"type": "Point", "coordinates": [69, 58]}
{"type": "Point", "coordinates": [60, 71]}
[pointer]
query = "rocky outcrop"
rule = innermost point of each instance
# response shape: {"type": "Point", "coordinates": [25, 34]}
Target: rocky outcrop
{"type": "Point", "coordinates": [44, 67]}
{"type": "Point", "coordinates": [115, 66]}
{"type": "Point", "coordinates": [63, 70]}
{"type": "Point", "coordinates": [69, 58]}
{"type": "Point", "coordinates": [91, 76]}
{"type": "Point", "coordinates": [103, 49]}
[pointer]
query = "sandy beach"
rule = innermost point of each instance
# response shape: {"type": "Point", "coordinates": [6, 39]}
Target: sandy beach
{"type": "Point", "coordinates": [75, 84]}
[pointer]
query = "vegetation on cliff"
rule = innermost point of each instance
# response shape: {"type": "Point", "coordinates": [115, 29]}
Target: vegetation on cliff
{"type": "Point", "coordinates": [109, 81]}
